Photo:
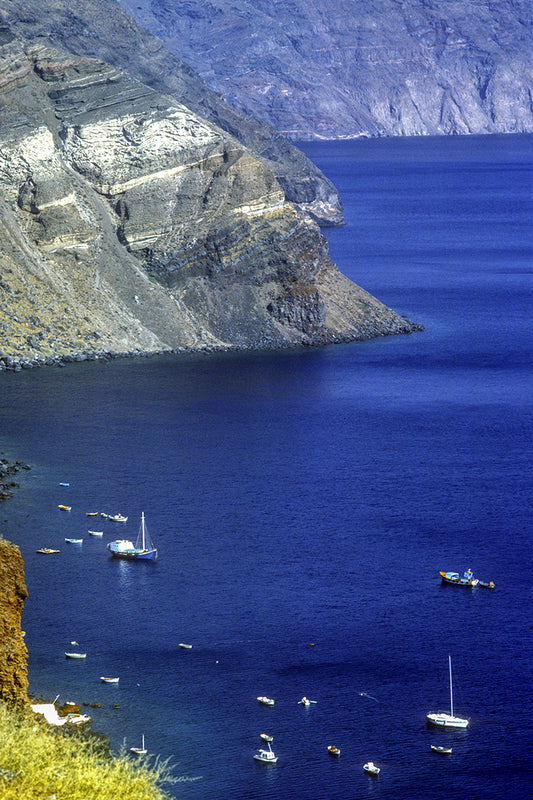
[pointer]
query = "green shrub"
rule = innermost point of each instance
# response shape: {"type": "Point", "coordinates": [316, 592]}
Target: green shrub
{"type": "Point", "coordinates": [38, 762]}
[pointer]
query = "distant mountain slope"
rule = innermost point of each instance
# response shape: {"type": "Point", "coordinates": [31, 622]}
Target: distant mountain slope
{"type": "Point", "coordinates": [343, 68]}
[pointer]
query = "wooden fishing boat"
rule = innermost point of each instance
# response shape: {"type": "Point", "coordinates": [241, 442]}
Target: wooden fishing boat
{"type": "Point", "coordinates": [143, 550]}
{"type": "Point", "coordinates": [105, 679]}
{"type": "Point", "coordinates": [333, 751]}
{"type": "Point", "coordinates": [47, 550]}
{"type": "Point", "coordinates": [65, 508]}
{"type": "Point", "coordinates": [439, 749]}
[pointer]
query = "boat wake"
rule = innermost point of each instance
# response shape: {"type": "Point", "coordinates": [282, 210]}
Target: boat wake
{"type": "Point", "coordinates": [370, 697]}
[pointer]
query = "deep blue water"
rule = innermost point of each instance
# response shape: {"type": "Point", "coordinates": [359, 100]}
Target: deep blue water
{"type": "Point", "coordinates": [310, 498]}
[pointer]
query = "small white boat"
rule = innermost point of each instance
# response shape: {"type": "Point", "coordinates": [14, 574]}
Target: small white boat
{"type": "Point", "coordinates": [305, 702]}
{"type": "Point", "coordinates": [95, 533]}
{"type": "Point", "coordinates": [47, 550]}
{"type": "Point", "coordinates": [74, 541]}
{"type": "Point", "coordinates": [117, 518]}
{"type": "Point", "coordinates": [266, 756]}
{"type": "Point", "coordinates": [108, 680]}
{"type": "Point", "coordinates": [443, 719]}
{"type": "Point", "coordinates": [139, 751]}
{"type": "Point", "coordinates": [439, 749]}
{"type": "Point", "coordinates": [333, 751]}
{"type": "Point", "coordinates": [186, 646]}
{"type": "Point", "coordinates": [104, 515]}
{"type": "Point", "coordinates": [76, 655]}
{"type": "Point", "coordinates": [65, 508]}
{"type": "Point", "coordinates": [265, 701]}
{"type": "Point", "coordinates": [77, 719]}
{"type": "Point", "coordinates": [370, 768]}
{"type": "Point", "coordinates": [266, 738]}
{"type": "Point", "coordinates": [64, 484]}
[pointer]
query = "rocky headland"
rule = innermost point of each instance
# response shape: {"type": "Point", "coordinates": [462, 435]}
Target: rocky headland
{"type": "Point", "coordinates": [130, 224]}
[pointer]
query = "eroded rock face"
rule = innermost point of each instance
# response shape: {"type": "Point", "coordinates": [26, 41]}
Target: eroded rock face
{"type": "Point", "coordinates": [102, 29]}
{"type": "Point", "coordinates": [359, 67]}
{"type": "Point", "coordinates": [127, 222]}
{"type": "Point", "coordinates": [13, 653]}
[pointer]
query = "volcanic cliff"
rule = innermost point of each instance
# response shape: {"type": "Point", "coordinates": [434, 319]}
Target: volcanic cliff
{"type": "Point", "coordinates": [13, 653]}
{"type": "Point", "coordinates": [359, 67]}
{"type": "Point", "coordinates": [128, 223]}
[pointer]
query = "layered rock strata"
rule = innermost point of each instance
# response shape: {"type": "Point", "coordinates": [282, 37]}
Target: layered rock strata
{"type": "Point", "coordinates": [102, 29]}
{"type": "Point", "coordinates": [128, 223]}
{"type": "Point", "coordinates": [13, 653]}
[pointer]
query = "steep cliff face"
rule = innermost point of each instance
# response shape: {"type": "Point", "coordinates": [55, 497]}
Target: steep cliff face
{"type": "Point", "coordinates": [359, 67]}
{"type": "Point", "coordinates": [127, 222]}
{"type": "Point", "coordinates": [13, 653]}
{"type": "Point", "coordinates": [102, 29]}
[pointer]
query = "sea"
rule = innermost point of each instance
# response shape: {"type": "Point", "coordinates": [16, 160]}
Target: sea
{"type": "Point", "coordinates": [303, 503]}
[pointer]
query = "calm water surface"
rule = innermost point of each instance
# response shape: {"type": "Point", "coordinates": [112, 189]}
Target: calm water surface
{"type": "Point", "coordinates": [303, 504]}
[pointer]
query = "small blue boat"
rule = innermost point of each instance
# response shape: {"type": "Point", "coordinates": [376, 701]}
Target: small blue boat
{"type": "Point", "coordinates": [143, 550]}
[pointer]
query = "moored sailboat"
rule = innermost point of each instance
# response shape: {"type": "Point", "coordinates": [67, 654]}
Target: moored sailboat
{"type": "Point", "coordinates": [143, 550]}
{"type": "Point", "coordinates": [442, 719]}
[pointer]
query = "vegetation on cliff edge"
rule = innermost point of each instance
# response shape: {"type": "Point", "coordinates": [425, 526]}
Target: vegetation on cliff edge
{"type": "Point", "coordinates": [39, 762]}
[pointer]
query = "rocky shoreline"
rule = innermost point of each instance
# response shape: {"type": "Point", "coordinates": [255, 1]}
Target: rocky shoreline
{"type": "Point", "coordinates": [12, 364]}
{"type": "Point", "coordinates": [7, 470]}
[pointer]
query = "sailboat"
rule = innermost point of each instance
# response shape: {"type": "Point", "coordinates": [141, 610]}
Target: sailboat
{"type": "Point", "coordinates": [442, 719]}
{"type": "Point", "coordinates": [143, 549]}
{"type": "Point", "coordinates": [139, 751]}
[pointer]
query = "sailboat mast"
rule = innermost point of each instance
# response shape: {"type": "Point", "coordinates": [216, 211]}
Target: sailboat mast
{"type": "Point", "coordinates": [451, 685]}
{"type": "Point", "coordinates": [142, 529]}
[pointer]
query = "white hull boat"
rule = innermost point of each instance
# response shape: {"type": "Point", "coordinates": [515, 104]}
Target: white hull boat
{"type": "Point", "coordinates": [442, 719]}
{"type": "Point", "coordinates": [139, 751]}
{"type": "Point", "coordinates": [109, 680]}
{"type": "Point", "coordinates": [266, 756]}
{"type": "Point", "coordinates": [76, 655]}
{"type": "Point", "coordinates": [371, 769]}
{"type": "Point", "coordinates": [143, 550]}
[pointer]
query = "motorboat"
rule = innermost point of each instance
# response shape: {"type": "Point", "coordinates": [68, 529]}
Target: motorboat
{"type": "Point", "coordinates": [266, 738]}
{"type": "Point", "coordinates": [109, 680]}
{"type": "Point", "coordinates": [266, 756]}
{"type": "Point", "coordinates": [467, 579]}
{"type": "Point", "coordinates": [143, 550]}
{"type": "Point", "coordinates": [305, 702]}
{"type": "Point", "coordinates": [79, 656]}
{"type": "Point", "coordinates": [443, 719]}
{"type": "Point", "coordinates": [91, 514]}
{"type": "Point", "coordinates": [74, 541]}
{"type": "Point", "coordinates": [265, 701]}
{"type": "Point", "coordinates": [65, 508]}
{"type": "Point", "coordinates": [117, 518]}
{"type": "Point", "coordinates": [47, 550]}
{"type": "Point", "coordinates": [186, 646]}
{"type": "Point", "coordinates": [487, 584]}
{"type": "Point", "coordinates": [64, 484]}
{"type": "Point", "coordinates": [333, 751]}
{"type": "Point", "coordinates": [371, 769]}
{"type": "Point", "coordinates": [439, 749]}
{"type": "Point", "coordinates": [95, 533]}
{"type": "Point", "coordinates": [139, 751]}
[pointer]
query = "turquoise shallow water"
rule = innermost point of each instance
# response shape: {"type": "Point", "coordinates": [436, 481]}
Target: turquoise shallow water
{"type": "Point", "coordinates": [303, 504]}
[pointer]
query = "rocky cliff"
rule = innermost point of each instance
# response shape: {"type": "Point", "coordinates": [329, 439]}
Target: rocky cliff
{"type": "Point", "coordinates": [13, 653]}
{"type": "Point", "coordinates": [129, 223]}
{"type": "Point", "coordinates": [102, 29]}
{"type": "Point", "coordinates": [359, 67]}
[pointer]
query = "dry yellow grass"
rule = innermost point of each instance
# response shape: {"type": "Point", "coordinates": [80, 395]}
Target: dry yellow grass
{"type": "Point", "coordinates": [38, 763]}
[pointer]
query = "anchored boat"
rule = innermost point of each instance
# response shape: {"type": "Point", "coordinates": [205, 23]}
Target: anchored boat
{"type": "Point", "coordinates": [143, 550]}
{"type": "Point", "coordinates": [442, 719]}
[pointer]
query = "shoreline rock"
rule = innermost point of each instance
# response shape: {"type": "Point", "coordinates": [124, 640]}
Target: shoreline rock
{"type": "Point", "coordinates": [7, 469]}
